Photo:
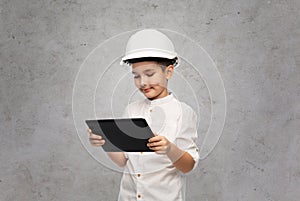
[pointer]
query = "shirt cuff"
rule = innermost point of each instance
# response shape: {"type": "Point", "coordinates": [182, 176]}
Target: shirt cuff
{"type": "Point", "coordinates": [195, 155]}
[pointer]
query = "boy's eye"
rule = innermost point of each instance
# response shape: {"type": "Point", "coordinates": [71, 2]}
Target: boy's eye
{"type": "Point", "coordinates": [149, 75]}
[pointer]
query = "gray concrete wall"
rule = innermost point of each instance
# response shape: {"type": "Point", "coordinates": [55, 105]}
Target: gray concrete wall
{"type": "Point", "coordinates": [255, 44]}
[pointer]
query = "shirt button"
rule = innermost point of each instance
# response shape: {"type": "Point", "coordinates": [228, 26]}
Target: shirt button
{"type": "Point", "coordinates": [141, 152]}
{"type": "Point", "coordinates": [150, 110]}
{"type": "Point", "coordinates": [197, 149]}
{"type": "Point", "coordinates": [138, 175]}
{"type": "Point", "coordinates": [139, 196]}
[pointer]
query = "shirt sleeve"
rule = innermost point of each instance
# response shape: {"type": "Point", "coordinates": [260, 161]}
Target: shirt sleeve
{"type": "Point", "coordinates": [187, 135]}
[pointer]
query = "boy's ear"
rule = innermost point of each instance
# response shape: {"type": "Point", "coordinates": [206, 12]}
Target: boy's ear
{"type": "Point", "coordinates": [169, 72]}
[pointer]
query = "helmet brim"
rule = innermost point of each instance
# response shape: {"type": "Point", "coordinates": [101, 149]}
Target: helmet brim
{"type": "Point", "coordinates": [143, 54]}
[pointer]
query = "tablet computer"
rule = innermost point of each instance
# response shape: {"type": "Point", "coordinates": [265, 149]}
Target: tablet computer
{"type": "Point", "coordinates": [125, 134]}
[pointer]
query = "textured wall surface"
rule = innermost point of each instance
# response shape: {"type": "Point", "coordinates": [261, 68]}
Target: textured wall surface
{"type": "Point", "coordinates": [255, 44]}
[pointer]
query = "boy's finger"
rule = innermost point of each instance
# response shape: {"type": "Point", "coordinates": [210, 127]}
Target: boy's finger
{"type": "Point", "coordinates": [155, 144]}
{"type": "Point", "coordinates": [153, 139]}
{"type": "Point", "coordinates": [98, 143]}
{"type": "Point", "coordinates": [92, 135]}
{"type": "Point", "coordinates": [95, 137]}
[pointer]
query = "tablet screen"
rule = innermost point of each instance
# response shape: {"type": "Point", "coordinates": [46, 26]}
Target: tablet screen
{"type": "Point", "coordinates": [127, 134]}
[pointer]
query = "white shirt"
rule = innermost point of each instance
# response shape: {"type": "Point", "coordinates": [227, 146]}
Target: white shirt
{"type": "Point", "coordinates": [150, 176]}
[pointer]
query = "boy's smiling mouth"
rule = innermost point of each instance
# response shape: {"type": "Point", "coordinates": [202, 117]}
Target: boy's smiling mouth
{"type": "Point", "coordinates": [146, 90]}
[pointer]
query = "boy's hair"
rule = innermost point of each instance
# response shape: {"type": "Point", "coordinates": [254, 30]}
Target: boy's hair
{"type": "Point", "coordinates": [162, 62]}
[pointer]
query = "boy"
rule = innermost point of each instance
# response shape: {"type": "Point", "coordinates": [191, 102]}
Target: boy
{"type": "Point", "coordinates": [157, 175]}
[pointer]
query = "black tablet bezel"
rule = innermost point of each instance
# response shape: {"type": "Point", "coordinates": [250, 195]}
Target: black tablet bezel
{"type": "Point", "coordinates": [118, 141]}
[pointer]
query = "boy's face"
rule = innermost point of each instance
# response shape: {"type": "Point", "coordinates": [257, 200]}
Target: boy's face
{"type": "Point", "coordinates": [150, 79]}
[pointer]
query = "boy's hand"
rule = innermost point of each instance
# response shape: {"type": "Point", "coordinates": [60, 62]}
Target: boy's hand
{"type": "Point", "coordinates": [160, 144]}
{"type": "Point", "coordinates": [95, 140]}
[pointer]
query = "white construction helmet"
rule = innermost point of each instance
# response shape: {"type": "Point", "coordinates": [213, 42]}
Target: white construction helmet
{"type": "Point", "coordinates": [150, 43]}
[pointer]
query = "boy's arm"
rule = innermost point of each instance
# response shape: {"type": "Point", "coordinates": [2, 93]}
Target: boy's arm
{"type": "Point", "coordinates": [181, 159]}
{"type": "Point", "coordinates": [118, 158]}
{"type": "Point", "coordinates": [183, 152]}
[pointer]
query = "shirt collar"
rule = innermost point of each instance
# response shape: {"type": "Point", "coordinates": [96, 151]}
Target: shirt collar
{"type": "Point", "coordinates": [160, 100]}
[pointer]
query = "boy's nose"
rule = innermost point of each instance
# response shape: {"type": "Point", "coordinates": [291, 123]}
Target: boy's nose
{"type": "Point", "coordinates": [143, 82]}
